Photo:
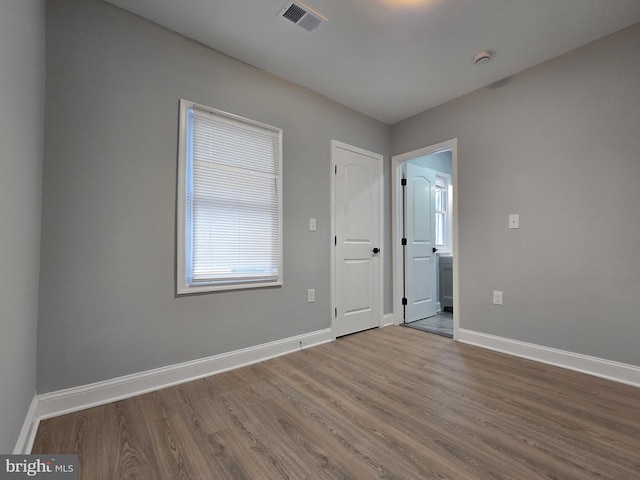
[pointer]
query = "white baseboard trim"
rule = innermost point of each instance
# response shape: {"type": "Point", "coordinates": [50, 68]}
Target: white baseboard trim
{"type": "Point", "coordinates": [599, 367]}
{"type": "Point", "coordinates": [29, 429]}
{"type": "Point", "coordinates": [388, 319]}
{"type": "Point", "coordinates": [87, 396]}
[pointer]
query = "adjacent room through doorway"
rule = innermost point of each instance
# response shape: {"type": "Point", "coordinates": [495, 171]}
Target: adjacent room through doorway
{"type": "Point", "coordinates": [424, 264]}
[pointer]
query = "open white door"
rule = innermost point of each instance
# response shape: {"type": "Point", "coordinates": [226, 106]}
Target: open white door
{"type": "Point", "coordinates": [357, 256]}
{"type": "Point", "coordinates": [420, 268]}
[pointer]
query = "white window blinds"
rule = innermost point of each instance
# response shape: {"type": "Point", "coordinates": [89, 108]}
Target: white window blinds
{"type": "Point", "coordinates": [232, 201]}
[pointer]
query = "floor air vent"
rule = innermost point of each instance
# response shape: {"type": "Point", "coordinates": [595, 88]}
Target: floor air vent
{"type": "Point", "coordinates": [302, 15]}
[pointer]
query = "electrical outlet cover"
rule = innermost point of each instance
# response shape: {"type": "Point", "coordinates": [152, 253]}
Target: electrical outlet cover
{"type": "Point", "coordinates": [497, 297]}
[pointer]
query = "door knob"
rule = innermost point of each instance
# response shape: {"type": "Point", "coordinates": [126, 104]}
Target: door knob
{"type": "Point", "coordinates": [376, 250]}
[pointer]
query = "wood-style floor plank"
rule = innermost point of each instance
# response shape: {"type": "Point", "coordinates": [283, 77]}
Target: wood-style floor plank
{"type": "Point", "coordinates": [390, 403]}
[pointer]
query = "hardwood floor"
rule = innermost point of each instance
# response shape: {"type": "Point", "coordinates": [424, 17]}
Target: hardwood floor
{"type": "Point", "coordinates": [387, 403]}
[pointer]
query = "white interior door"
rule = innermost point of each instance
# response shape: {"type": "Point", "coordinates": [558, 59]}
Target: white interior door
{"type": "Point", "coordinates": [357, 287]}
{"type": "Point", "coordinates": [420, 268]}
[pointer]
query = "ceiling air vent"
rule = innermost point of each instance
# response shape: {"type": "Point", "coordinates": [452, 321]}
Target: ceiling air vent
{"type": "Point", "coordinates": [302, 15]}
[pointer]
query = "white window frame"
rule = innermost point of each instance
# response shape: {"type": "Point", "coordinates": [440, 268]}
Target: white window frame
{"type": "Point", "coordinates": [446, 246]}
{"type": "Point", "coordinates": [184, 285]}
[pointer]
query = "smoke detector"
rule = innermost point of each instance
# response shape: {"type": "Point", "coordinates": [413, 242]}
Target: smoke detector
{"type": "Point", "coordinates": [482, 57]}
{"type": "Point", "coordinates": [302, 15]}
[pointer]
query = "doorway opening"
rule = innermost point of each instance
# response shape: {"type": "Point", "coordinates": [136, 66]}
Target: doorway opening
{"type": "Point", "coordinates": [424, 223]}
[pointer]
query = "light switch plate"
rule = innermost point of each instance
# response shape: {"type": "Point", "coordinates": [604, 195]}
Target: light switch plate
{"type": "Point", "coordinates": [497, 297]}
{"type": "Point", "coordinates": [514, 221]}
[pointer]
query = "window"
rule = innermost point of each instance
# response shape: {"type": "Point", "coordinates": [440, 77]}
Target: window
{"type": "Point", "coordinates": [229, 202]}
{"type": "Point", "coordinates": [441, 204]}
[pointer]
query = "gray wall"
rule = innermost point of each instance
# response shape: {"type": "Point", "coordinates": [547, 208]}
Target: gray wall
{"type": "Point", "coordinates": [560, 145]}
{"type": "Point", "coordinates": [21, 143]}
{"type": "Point", "coordinates": [107, 293]}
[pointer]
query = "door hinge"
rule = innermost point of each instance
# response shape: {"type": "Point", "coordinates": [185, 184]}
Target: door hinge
{"type": "Point", "coordinates": [404, 241]}
{"type": "Point", "coordinates": [335, 312]}
{"type": "Point", "coordinates": [403, 182]}
{"type": "Point", "coordinates": [335, 240]}
{"type": "Point", "coordinates": [404, 300]}
{"type": "Point", "coordinates": [336, 170]}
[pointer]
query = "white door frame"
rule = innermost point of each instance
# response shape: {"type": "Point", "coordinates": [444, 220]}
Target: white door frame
{"type": "Point", "coordinates": [396, 226]}
{"type": "Point", "coordinates": [335, 144]}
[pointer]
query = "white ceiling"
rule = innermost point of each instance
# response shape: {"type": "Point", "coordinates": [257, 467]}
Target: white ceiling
{"type": "Point", "coordinates": [391, 59]}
